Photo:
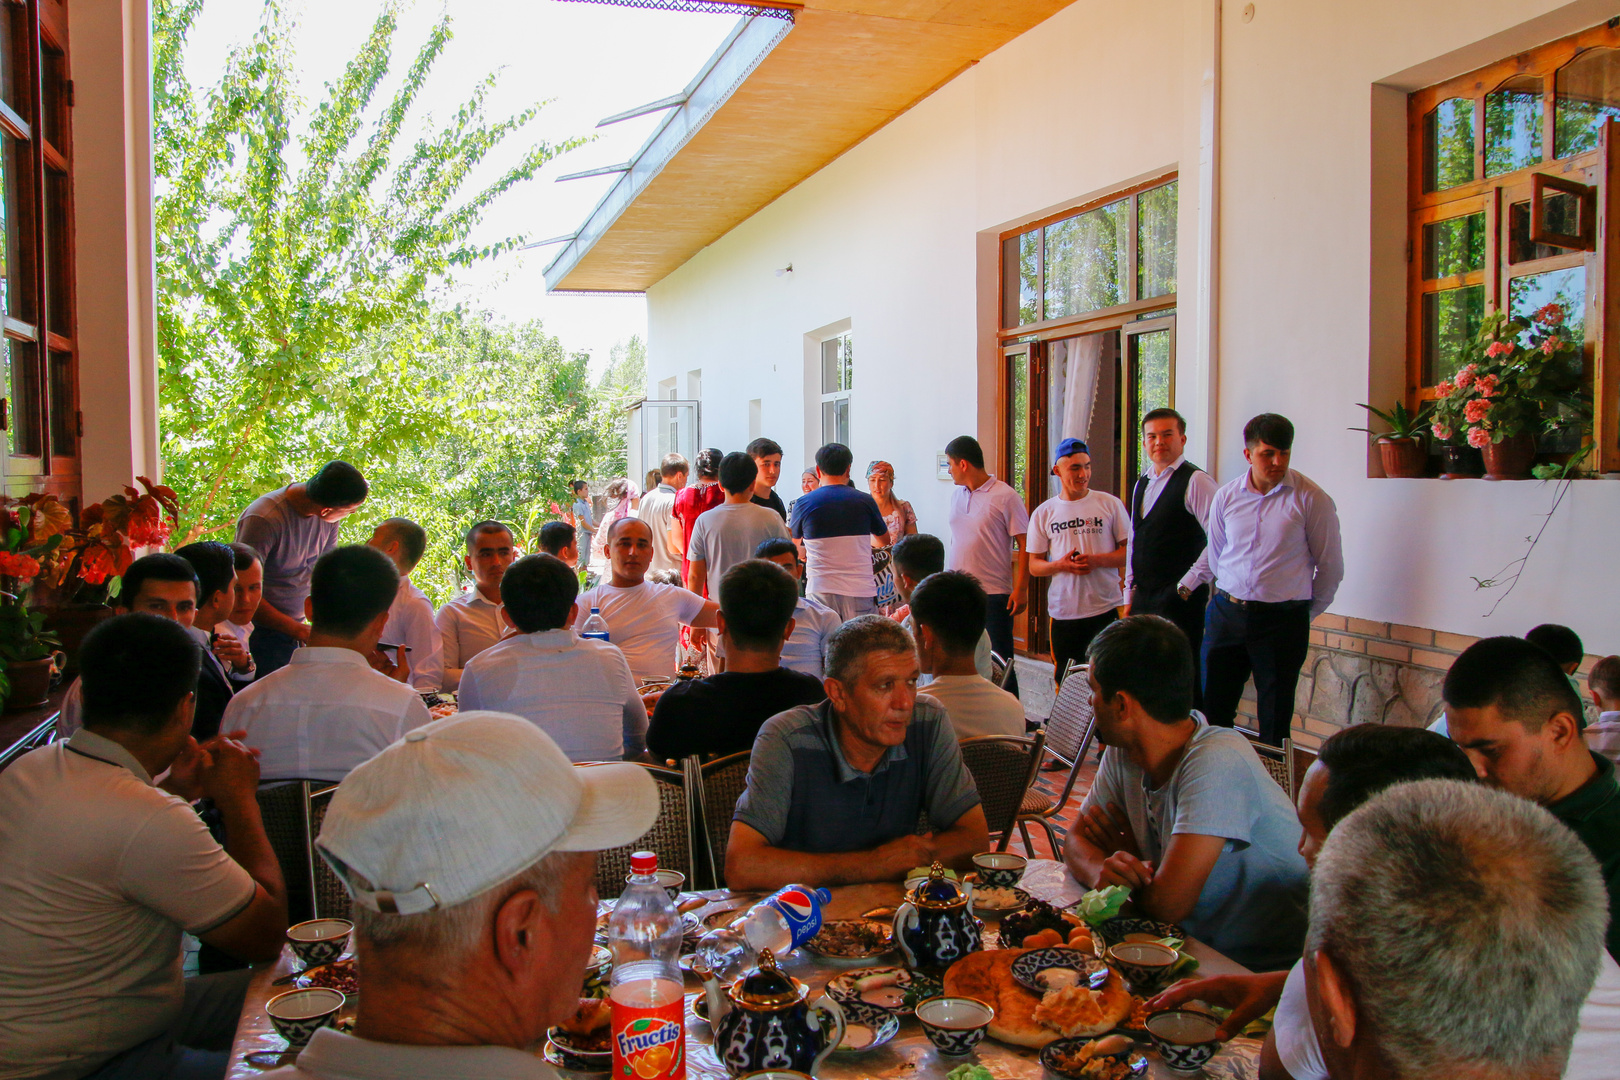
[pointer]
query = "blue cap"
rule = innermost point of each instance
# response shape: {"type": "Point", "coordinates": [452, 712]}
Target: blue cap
{"type": "Point", "coordinates": [1067, 447]}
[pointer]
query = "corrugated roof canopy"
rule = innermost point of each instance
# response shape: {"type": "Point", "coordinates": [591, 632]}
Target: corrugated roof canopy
{"type": "Point", "coordinates": [846, 68]}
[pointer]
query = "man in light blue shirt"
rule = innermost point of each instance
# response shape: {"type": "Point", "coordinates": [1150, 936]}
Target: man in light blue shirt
{"type": "Point", "coordinates": [1183, 813]}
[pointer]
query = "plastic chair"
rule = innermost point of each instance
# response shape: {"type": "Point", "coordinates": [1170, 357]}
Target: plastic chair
{"type": "Point", "coordinates": [1069, 731]}
{"type": "Point", "coordinates": [1299, 761]}
{"type": "Point", "coordinates": [1003, 768]}
{"type": "Point", "coordinates": [720, 784]}
{"type": "Point", "coordinates": [670, 837]}
{"type": "Point", "coordinates": [331, 899]}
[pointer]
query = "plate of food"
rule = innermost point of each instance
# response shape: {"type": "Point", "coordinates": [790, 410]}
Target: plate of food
{"type": "Point", "coordinates": [1025, 1017]}
{"type": "Point", "coordinates": [1041, 970]}
{"type": "Point", "coordinates": [895, 989]}
{"type": "Point", "coordinates": [583, 1042]}
{"type": "Point", "coordinates": [1136, 1021]}
{"type": "Point", "coordinates": [1124, 928]}
{"type": "Point", "coordinates": [1038, 916]}
{"type": "Point", "coordinates": [1112, 1057]}
{"type": "Point", "coordinates": [691, 928]}
{"type": "Point", "coordinates": [866, 1027]}
{"type": "Point", "coordinates": [1002, 900]}
{"type": "Point", "coordinates": [339, 975]}
{"type": "Point", "coordinates": [851, 939]}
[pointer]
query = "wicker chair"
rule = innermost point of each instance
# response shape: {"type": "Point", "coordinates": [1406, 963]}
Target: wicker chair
{"type": "Point", "coordinates": [284, 807]}
{"type": "Point", "coordinates": [720, 784]}
{"type": "Point", "coordinates": [1069, 731]}
{"type": "Point", "coordinates": [670, 837]}
{"type": "Point", "coordinates": [1299, 761]}
{"type": "Point", "coordinates": [1003, 768]}
{"type": "Point", "coordinates": [1276, 762]}
{"type": "Point", "coordinates": [331, 898]}
{"type": "Point", "coordinates": [999, 669]}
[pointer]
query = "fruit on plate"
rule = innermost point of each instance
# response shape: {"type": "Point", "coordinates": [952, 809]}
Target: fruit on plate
{"type": "Point", "coordinates": [1038, 916]}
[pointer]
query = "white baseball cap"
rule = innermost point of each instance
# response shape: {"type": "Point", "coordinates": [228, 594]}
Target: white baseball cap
{"type": "Point", "coordinates": [461, 804]}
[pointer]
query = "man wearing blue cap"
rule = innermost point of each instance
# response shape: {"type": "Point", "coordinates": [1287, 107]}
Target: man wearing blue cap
{"type": "Point", "coordinates": [1078, 539]}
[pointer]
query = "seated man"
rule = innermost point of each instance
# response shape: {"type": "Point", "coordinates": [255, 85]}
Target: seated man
{"type": "Point", "coordinates": [916, 557]}
{"type": "Point", "coordinates": [947, 610]}
{"type": "Point", "coordinates": [471, 622]}
{"type": "Point", "coordinates": [231, 635]}
{"type": "Point", "coordinates": [464, 979]}
{"type": "Point", "coordinates": [723, 713]}
{"type": "Point", "coordinates": [562, 540]}
{"type": "Point", "coordinates": [1603, 684]}
{"type": "Point", "coordinates": [1183, 812]}
{"type": "Point", "coordinates": [577, 690]}
{"type": "Point", "coordinates": [835, 790]}
{"type": "Point", "coordinates": [410, 617]}
{"type": "Point", "coordinates": [812, 622]}
{"type": "Point", "coordinates": [103, 871]}
{"type": "Point", "coordinates": [1493, 959]}
{"type": "Point", "coordinates": [1511, 708]}
{"type": "Point", "coordinates": [329, 710]}
{"type": "Point", "coordinates": [644, 618]}
{"type": "Point", "coordinates": [215, 564]}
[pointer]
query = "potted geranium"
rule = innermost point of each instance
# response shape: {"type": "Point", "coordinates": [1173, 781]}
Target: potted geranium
{"type": "Point", "coordinates": [1401, 447]}
{"type": "Point", "coordinates": [28, 651]}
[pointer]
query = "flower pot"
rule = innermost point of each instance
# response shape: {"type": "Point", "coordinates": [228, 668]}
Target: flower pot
{"type": "Point", "coordinates": [1403, 458]}
{"type": "Point", "coordinates": [1460, 462]}
{"type": "Point", "coordinates": [1510, 459]}
{"type": "Point", "coordinates": [31, 681]}
{"type": "Point", "coordinates": [70, 623]}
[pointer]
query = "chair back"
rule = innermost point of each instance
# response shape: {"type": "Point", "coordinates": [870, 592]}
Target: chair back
{"type": "Point", "coordinates": [1071, 724]}
{"type": "Point", "coordinates": [1000, 668]}
{"type": "Point", "coordinates": [1003, 767]}
{"type": "Point", "coordinates": [1299, 762]}
{"type": "Point", "coordinates": [670, 837]}
{"type": "Point", "coordinates": [282, 806]}
{"type": "Point", "coordinates": [720, 785]}
{"type": "Point", "coordinates": [331, 899]}
{"type": "Point", "coordinates": [1276, 763]}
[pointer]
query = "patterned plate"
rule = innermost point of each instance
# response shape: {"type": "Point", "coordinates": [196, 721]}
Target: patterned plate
{"type": "Point", "coordinates": [1053, 1056]}
{"type": "Point", "coordinates": [882, 1024]}
{"type": "Point", "coordinates": [1027, 968]}
{"type": "Point", "coordinates": [1020, 902]}
{"type": "Point", "coordinates": [885, 943]}
{"type": "Point", "coordinates": [885, 987]}
{"type": "Point", "coordinates": [1116, 930]}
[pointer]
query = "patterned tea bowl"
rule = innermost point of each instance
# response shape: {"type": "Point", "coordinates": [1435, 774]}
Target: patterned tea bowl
{"type": "Point", "coordinates": [319, 941]}
{"type": "Point", "coordinates": [955, 1025]}
{"type": "Point", "coordinates": [1146, 965]}
{"type": "Point", "coordinates": [1186, 1039]}
{"type": "Point", "coordinates": [999, 869]}
{"type": "Point", "coordinates": [298, 1014]}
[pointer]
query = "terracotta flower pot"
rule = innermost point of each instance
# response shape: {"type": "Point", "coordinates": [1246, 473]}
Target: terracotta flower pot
{"type": "Point", "coordinates": [30, 682]}
{"type": "Point", "coordinates": [1460, 462]}
{"type": "Point", "coordinates": [1510, 459]}
{"type": "Point", "coordinates": [1403, 458]}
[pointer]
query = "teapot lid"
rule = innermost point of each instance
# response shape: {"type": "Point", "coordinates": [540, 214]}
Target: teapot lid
{"type": "Point", "coordinates": [766, 987]}
{"type": "Point", "coordinates": [938, 891]}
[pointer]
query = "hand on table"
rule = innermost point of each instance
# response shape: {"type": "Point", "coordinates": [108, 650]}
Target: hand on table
{"type": "Point", "coordinates": [903, 853]}
{"type": "Point", "coordinates": [1248, 996]}
{"type": "Point", "coordinates": [1123, 868]}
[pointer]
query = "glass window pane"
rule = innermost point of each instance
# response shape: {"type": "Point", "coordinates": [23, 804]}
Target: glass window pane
{"type": "Point", "coordinates": [22, 379]}
{"type": "Point", "coordinates": [1567, 287]}
{"type": "Point", "coordinates": [1087, 260]}
{"type": "Point", "coordinates": [841, 421]}
{"type": "Point", "coordinates": [1454, 246]}
{"type": "Point", "coordinates": [1560, 212]}
{"type": "Point", "coordinates": [829, 366]}
{"type": "Point", "coordinates": [1451, 320]}
{"type": "Point", "coordinates": [58, 288]}
{"type": "Point", "coordinates": [1021, 263]}
{"type": "Point", "coordinates": [846, 367]}
{"type": "Point", "coordinates": [1152, 373]}
{"type": "Point", "coordinates": [53, 106]}
{"type": "Point", "coordinates": [14, 53]}
{"type": "Point", "coordinates": [19, 226]}
{"type": "Point", "coordinates": [64, 416]}
{"type": "Point", "coordinates": [1156, 242]}
{"type": "Point", "coordinates": [1018, 420]}
{"type": "Point", "coordinates": [1586, 96]}
{"type": "Point", "coordinates": [1448, 144]}
{"type": "Point", "coordinates": [1513, 125]}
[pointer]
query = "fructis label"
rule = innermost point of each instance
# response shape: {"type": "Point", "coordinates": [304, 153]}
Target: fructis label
{"type": "Point", "coordinates": [800, 908]}
{"type": "Point", "coordinates": [649, 1044]}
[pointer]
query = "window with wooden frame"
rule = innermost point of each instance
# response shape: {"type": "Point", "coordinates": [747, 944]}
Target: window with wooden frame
{"type": "Point", "coordinates": [1513, 191]}
{"type": "Point", "coordinates": [837, 387]}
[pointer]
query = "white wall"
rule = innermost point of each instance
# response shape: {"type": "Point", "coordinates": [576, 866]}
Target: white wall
{"type": "Point", "coordinates": [892, 237]}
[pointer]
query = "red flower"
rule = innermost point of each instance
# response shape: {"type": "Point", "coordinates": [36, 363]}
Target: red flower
{"type": "Point", "coordinates": [97, 565]}
{"type": "Point", "coordinates": [21, 567]}
{"type": "Point", "coordinates": [1474, 412]}
{"type": "Point", "coordinates": [1551, 313]}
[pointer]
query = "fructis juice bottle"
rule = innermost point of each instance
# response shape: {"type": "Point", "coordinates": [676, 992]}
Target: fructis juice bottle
{"type": "Point", "coordinates": [647, 996]}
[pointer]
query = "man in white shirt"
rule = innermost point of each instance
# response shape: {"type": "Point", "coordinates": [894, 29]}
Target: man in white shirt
{"type": "Point", "coordinates": [1077, 538]}
{"type": "Point", "coordinates": [471, 622]}
{"type": "Point", "coordinates": [329, 710]}
{"type": "Point", "coordinates": [644, 618]}
{"type": "Point", "coordinates": [728, 534]}
{"type": "Point", "coordinates": [410, 617]}
{"type": "Point", "coordinates": [1276, 558]}
{"type": "Point", "coordinates": [658, 510]}
{"type": "Point", "coordinates": [231, 644]}
{"type": "Point", "coordinates": [837, 523]}
{"type": "Point", "coordinates": [988, 524]}
{"type": "Point", "coordinates": [948, 612]}
{"type": "Point", "coordinates": [805, 648]}
{"type": "Point", "coordinates": [916, 558]}
{"type": "Point", "coordinates": [577, 690]}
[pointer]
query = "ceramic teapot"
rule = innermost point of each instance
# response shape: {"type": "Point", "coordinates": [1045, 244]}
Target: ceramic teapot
{"type": "Point", "coordinates": [935, 926]}
{"type": "Point", "coordinates": [765, 1020]}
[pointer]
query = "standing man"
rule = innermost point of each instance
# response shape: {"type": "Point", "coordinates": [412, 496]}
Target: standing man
{"type": "Point", "coordinates": [691, 501]}
{"type": "Point", "coordinates": [731, 532]}
{"type": "Point", "coordinates": [471, 622]}
{"type": "Point", "coordinates": [1077, 538]}
{"type": "Point", "coordinates": [658, 510]}
{"type": "Point", "coordinates": [583, 521]}
{"type": "Point", "coordinates": [988, 524]}
{"type": "Point", "coordinates": [768, 456]}
{"type": "Point", "coordinates": [837, 523]}
{"type": "Point", "coordinates": [1275, 556]}
{"type": "Point", "coordinates": [1169, 516]}
{"type": "Point", "coordinates": [290, 529]}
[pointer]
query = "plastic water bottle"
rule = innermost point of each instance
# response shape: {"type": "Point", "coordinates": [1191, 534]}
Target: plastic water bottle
{"type": "Point", "coordinates": [647, 998]}
{"type": "Point", "coordinates": [781, 922]}
{"type": "Point", "coordinates": [595, 626]}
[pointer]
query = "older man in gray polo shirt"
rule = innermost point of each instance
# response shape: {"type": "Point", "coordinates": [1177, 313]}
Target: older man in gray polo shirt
{"type": "Point", "coordinates": [835, 790]}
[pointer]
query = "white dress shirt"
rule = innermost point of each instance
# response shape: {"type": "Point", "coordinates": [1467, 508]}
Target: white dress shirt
{"type": "Point", "coordinates": [468, 625]}
{"type": "Point", "coordinates": [577, 690]}
{"type": "Point", "coordinates": [983, 522]}
{"type": "Point", "coordinates": [1272, 548]}
{"type": "Point", "coordinates": [321, 715]}
{"type": "Point", "coordinates": [1201, 488]}
{"type": "Point", "coordinates": [411, 623]}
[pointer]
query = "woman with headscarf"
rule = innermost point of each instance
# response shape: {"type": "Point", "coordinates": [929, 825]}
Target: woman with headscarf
{"type": "Point", "coordinates": [901, 520]}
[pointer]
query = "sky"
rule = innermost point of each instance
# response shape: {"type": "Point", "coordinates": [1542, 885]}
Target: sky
{"type": "Point", "coordinates": [588, 60]}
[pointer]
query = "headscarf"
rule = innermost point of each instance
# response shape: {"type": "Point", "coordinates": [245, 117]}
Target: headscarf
{"type": "Point", "coordinates": [880, 466]}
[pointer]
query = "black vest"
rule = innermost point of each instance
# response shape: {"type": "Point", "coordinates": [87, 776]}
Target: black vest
{"type": "Point", "coordinates": [1165, 543]}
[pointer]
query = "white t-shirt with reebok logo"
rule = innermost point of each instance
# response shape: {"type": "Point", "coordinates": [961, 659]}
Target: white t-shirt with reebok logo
{"type": "Point", "coordinates": [1095, 525]}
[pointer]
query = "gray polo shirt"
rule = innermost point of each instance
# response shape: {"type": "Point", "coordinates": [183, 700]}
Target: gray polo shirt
{"type": "Point", "coordinates": [803, 795]}
{"type": "Point", "coordinates": [289, 543]}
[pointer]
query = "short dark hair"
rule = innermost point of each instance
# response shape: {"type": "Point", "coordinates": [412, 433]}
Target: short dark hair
{"type": "Point", "coordinates": [1165, 414]}
{"type": "Point", "coordinates": [1605, 677]}
{"type": "Point", "coordinates": [538, 591]}
{"type": "Point", "coordinates": [951, 604]}
{"type": "Point", "coordinates": [835, 459]}
{"type": "Point", "coordinates": [1363, 760]}
{"type": "Point", "coordinates": [338, 484]}
{"type": "Point", "coordinates": [485, 526]}
{"type": "Point", "coordinates": [1562, 644]}
{"type": "Point", "coordinates": [1147, 657]}
{"type": "Point", "coordinates": [575, 485]}
{"type": "Point", "coordinates": [137, 669]}
{"type": "Point", "coordinates": [757, 598]}
{"type": "Point", "coordinates": [349, 587]}
{"type": "Point", "coordinates": [773, 546]}
{"type": "Point", "coordinates": [966, 448]}
{"type": "Point", "coordinates": [411, 536]}
{"type": "Point", "coordinates": [738, 472]}
{"type": "Point", "coordinates": [215, 564]}
{"type": "Point", "coordinates": [763, 448]}
{"type": "Point", "coordinates": [1270, 428]}
{"type": "Point", "coordinates": [245, 555]}
{"type": "Point", "coordinates": [616, 524]}
{"type": "Point", "coordinates": [673, 465]}
{"type": "Point", "coordinates": [159, 566]}
{"type": "Point", "coordinates": [708, 463]}
{"type": "Point", "coordinates": [1518, 677]}
{"type": "Point", "coordinates": [919, 555]}
{"type": "Point", "coordinates": [556, 535]}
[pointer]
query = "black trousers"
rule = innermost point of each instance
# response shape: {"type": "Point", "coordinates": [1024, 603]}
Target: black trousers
{"type": "Point", "coordinates": [1267, 640]}
{"type": "Point", "coordinates": [1071, 638]}
{"type": "Point", "coordinates": [998, 622]}
{"type": "Point", "coordinates": [1187, 614]}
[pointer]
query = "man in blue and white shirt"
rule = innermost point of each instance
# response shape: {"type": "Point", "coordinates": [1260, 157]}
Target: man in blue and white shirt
{"type": "Point", "coordinates": [837, 523]}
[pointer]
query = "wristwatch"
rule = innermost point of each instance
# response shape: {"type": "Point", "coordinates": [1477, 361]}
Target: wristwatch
{"type": "Point", "coordinates": [1183, 592]}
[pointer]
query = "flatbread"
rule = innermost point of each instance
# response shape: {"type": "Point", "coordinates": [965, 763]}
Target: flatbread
{"type": "Point", "coordinates": [987, 975]}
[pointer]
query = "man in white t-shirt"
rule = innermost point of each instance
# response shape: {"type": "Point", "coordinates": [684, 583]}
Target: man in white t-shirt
{"type": "Point", "coordinates": [988, 524]}
{"type": "Point", "coordinates": [644, 618]}
{"type": "Point", "coordinates": [947, 610]}
{"type": "Point", "coordinates": [1078, 538]}
{"type": "Point", "coordinates": [658, 510]}
{"type": "Point", "coordinates": [728, 534]}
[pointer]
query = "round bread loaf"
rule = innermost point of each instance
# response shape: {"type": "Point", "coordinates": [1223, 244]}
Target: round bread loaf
{"type": "Point", "coordinates": [987, 975]}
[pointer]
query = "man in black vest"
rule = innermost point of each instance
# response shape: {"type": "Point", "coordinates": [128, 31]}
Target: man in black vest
{"type": "Point", "coordinates": [1169, 512]}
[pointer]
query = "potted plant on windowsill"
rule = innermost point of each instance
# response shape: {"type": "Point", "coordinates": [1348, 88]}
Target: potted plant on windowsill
{"type": "Point", "coordinates": [28, 651]}
{"type": "Point", "coordinates": [1401, 447]}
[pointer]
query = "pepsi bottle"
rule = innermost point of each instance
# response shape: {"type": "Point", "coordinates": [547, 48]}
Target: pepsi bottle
{"type": "Point", "coordinates": [781, 923]}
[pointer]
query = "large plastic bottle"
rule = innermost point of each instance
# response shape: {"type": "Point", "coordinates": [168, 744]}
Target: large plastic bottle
{"type": "Point", "coordinates": [595, 626]}
{"type": "Point", "coordinates": [781, 922]}
{"type": "Point", "coordinates": [647, 997]}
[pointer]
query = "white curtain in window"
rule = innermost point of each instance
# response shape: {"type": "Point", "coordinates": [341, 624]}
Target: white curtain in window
{"type": "Point", "coordinates": [1074, 364]}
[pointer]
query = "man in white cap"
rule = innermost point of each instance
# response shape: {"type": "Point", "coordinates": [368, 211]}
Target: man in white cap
{"type": "Point", "coordinates": [469, 849]}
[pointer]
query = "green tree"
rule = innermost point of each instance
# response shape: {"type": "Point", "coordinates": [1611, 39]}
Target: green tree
{"type": "Point", "coordinates": [280, 255]}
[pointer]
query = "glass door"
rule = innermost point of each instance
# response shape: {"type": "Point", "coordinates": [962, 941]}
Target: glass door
{"type": "Point", "coordinates": [1023, 449]}
{"type": "Point", "coordinates": [1150, 350]}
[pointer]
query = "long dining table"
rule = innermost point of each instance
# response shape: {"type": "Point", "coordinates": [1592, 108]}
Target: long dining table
{"type": "Point", "coordinates": [909, 1054]}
